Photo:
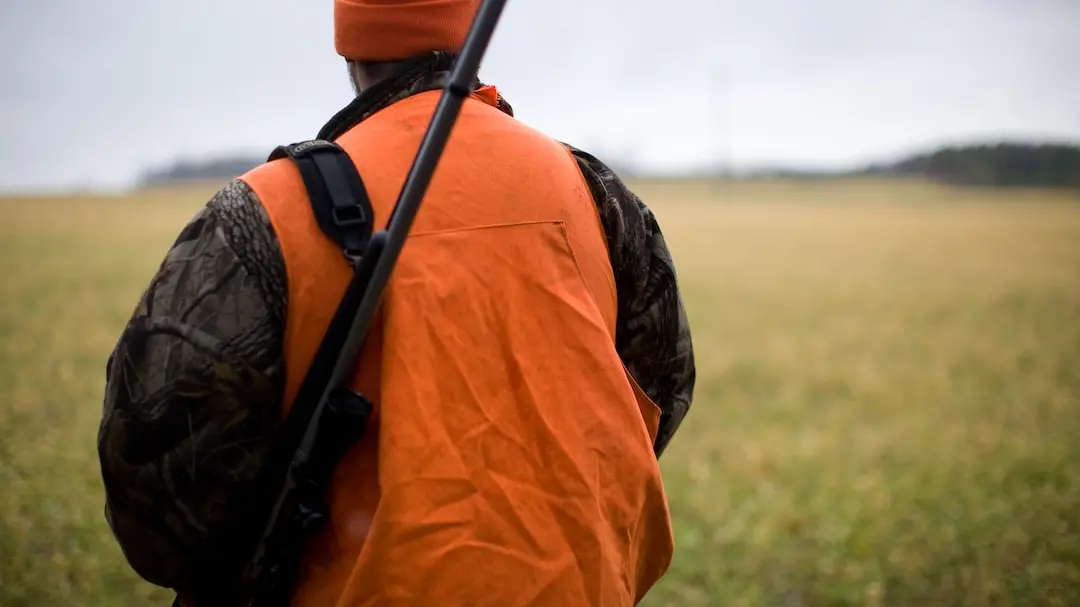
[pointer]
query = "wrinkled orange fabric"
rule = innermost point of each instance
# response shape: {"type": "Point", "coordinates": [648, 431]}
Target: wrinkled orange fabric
{"type": "Point", "coordinates": [509, 461]}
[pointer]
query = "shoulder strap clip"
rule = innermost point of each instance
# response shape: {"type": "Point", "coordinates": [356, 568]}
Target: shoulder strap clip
{"type": "Point", "coordinates": [341, 203]}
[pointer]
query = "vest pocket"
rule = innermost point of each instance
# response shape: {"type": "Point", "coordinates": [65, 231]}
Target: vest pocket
{"type": "Point", "coordinates": [650, 411]}
{"type": "Point", "coordinates": [510, 440]}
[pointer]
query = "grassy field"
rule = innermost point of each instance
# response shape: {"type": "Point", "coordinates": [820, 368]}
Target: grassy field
{"type": "Point", "coordinates": [887, 411]}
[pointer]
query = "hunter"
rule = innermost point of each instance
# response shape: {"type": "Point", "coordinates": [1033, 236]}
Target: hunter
{"type": "Point", "coordinates": [530, 362]}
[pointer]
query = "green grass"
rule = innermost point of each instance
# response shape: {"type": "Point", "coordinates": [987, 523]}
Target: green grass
{"type": "Point", "coordinates": [887, 411]}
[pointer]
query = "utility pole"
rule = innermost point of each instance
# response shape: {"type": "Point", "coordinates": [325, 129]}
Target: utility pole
{"type": "Point", "coordinates": [720, 108]}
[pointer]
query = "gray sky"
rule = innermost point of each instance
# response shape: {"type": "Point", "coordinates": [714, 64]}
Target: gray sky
{"type": "Point", "coordinates": [99, 90]}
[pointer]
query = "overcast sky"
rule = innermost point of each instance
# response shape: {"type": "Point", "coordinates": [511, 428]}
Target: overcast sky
{"type": "Point", "coordinates": [99, 90]}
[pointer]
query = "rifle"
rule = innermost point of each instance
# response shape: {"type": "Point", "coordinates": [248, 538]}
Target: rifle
{"type": "Point", "coordinates": [317, 433]}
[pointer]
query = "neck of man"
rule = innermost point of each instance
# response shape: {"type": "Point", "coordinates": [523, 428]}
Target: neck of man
{"type": "Point", "coordinates": [365, 74]}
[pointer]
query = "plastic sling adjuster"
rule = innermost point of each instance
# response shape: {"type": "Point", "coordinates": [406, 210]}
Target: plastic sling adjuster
{"type": "Point", "coordinates": [338, 197]}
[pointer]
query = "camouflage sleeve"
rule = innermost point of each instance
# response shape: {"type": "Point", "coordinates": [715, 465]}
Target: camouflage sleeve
{"type": "Point", "coordinates": [194, 387]}
{"type": "Point", "coordinates": [652, 332]}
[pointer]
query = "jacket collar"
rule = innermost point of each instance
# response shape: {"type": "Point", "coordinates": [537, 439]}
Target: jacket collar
{"type": "Point", "coordinates": [419, 74]}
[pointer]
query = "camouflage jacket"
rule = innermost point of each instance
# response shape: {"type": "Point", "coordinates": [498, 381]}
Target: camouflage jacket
{"type": "Point", "coordinates": [195, 382]}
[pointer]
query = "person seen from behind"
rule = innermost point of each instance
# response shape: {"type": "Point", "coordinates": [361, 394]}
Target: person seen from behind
{"type": "Point", "coordinates": [530, 362]}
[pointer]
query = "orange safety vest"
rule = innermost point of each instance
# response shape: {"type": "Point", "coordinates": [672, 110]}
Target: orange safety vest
{"type": "Point", "coordinates": [509, 460]}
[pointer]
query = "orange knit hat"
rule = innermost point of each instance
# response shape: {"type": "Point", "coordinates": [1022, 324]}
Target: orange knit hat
{"type": "Point", "coordinates": [390, 30]}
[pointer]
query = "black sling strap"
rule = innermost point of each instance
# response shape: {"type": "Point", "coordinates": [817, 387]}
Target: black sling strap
{"type": "Point", "coordinates": [337, 193]}
{"type": "Point", "coordinates": [344, 214]}
{"type": "Point", "coordinates": [327, 417]}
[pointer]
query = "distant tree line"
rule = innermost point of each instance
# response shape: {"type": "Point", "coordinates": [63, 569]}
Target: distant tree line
{"type": "Point", "coordinates": [1001, 164]}
{"type": "Point", "coordinates": [218, 169]}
